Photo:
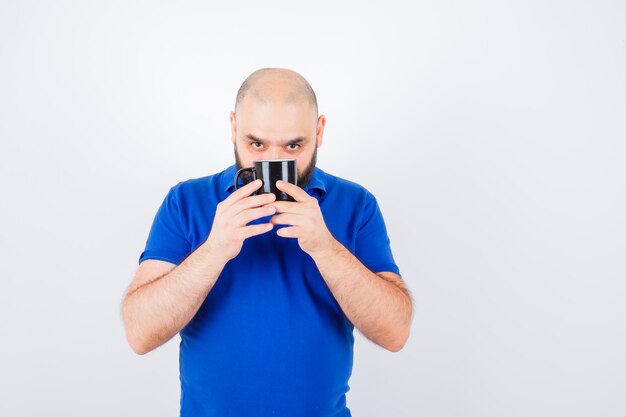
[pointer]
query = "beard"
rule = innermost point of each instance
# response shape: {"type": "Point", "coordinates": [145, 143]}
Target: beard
{"type": "Point", "coordinates": [304, 176]}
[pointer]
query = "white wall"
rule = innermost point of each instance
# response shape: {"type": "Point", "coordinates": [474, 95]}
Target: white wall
{"type": "Point", "coordinates": [492, 133]}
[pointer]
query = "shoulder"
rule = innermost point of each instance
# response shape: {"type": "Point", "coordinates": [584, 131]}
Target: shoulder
{"type": "Point", "coordinates": [347, 189]}
{"type": "Point", "coordinates": [352, 203]}
{"type": "Point", "coordinates": [198, 188]}
{"type": "Point", "coordinates": [193, 184]}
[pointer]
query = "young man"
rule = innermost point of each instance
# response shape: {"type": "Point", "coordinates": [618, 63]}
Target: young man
{"type": "Point", "coordinates": [266, 313]}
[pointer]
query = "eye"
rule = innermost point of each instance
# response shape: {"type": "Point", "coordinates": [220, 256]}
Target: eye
{"type": "Point", "coordinates": [294, 144]}
{"type": "Point", "coordinates": [256, 143]}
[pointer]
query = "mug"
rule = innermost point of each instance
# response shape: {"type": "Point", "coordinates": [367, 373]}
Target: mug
{"type": "Point", "coordinates": [270, 171]}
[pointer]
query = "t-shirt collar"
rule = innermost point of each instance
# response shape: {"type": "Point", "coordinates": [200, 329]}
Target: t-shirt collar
{"type": "Point", "coordinates": [317, 182]}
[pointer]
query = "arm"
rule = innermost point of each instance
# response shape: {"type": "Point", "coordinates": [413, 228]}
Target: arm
{"type": "Point", "coordinates": [379, 305]}
{"type": "Point", "coordinates": [156, 310]}
{"type": "Point", "coordinates": [163, 298]}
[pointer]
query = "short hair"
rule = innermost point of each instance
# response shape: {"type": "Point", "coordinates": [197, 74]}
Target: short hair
{"type": "Point", "coordinates": [302, 87]}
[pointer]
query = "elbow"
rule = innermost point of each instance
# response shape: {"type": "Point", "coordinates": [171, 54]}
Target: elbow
{"type": "Point", "coordinates": [137, 347]}
{"type": "Point", "coordinates": [401, 336]}
{"type": "Point", "coordinates": [134, 342]}
{"type": "Point", "coordinates": [396, 344]}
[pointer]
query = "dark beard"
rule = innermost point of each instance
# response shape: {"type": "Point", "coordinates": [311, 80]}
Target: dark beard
{"type": "Point", "coordinates": [304, 177]}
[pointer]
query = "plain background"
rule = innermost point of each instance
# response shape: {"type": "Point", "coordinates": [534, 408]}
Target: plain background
{"type": "Point", "coordinates": [492, 134]}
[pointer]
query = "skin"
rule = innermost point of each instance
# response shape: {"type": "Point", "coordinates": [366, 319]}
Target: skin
{"type": "Point", "coordinates": [164, 297]}
{"type": "Point", "coordinates": [270, 115]}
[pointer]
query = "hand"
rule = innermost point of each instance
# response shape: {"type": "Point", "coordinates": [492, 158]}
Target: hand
{"type": "Point", "coordinates": [305, 217]}
{"type": "Point", "coordinates": [229, 228]}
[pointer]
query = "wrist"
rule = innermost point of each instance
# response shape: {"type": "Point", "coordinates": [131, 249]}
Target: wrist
{"type": "Point", "coordinates": [329, 251]}
{"type": "Point", "coordinates": [211, 254]}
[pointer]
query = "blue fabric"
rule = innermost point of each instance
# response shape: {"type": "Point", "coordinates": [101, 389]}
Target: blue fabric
{"type": "Point", "coordinates": [269, 339]}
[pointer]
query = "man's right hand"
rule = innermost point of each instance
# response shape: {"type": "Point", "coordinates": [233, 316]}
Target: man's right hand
{"type": "Point", "coordinates": [164, 297]}
{"type": "Point", "coordinates": [229, 228]}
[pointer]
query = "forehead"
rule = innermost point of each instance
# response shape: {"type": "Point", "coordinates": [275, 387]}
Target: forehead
{"type": "Point", "coordinates": [275, 119]}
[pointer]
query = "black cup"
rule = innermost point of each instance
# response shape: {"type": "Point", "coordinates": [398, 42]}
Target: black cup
{"type": "Point", "coordinates": [270, 171]}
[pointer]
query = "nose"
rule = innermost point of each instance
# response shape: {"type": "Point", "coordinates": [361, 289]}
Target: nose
{"type": "Point", "coordinates": [275, 153]}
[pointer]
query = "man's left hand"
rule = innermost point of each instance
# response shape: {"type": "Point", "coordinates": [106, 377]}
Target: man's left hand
{"type": "Point", "coordinates": [305, 219]}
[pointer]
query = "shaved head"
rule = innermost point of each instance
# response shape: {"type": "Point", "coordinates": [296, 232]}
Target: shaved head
{"type": "Point", "coordinates": [276, 117]}
{"type": "Point", "coordinates": [276, 85]}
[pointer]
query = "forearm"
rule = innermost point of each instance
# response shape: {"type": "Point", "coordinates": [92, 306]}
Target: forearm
{"type": "Point", "coordinates": [157, 311]}
{"type": "Point", "coordinates": [380, 309]}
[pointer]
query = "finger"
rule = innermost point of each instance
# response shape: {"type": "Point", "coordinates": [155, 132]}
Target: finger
{"type": "Point", "coordinates": [293, 190]}
{"type": "Point", "coordinates": [287, 218]}
{"type": "Point", "coordinates": [243, 192]}
{"type": "Point", "coordinates": [255, 229]}
{"type": "Point", "coordinates": [289, 207]}
{"type": "Point", "coordinates": [292, 231]}
{"type": "Point", "coordinates": [249, 215]}
{"type": "Point", "coordinates": [252, 201]}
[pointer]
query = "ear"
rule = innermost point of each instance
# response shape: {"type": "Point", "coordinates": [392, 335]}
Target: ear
{"type": "Point", "coordinates": [319, 132]}
{"type": "Point", "coordinates": [233, 127]}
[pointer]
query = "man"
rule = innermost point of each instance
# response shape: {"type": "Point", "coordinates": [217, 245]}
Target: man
{"type": "Point", "coordinates": [266, 313]}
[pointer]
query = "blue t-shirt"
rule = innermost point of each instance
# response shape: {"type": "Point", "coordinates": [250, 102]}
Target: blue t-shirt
{"type": "Point", "coordinates": [269, 339]}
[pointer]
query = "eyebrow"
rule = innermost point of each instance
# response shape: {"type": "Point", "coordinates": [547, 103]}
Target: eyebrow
{"type": "Point", "coordinates": [299, 139]}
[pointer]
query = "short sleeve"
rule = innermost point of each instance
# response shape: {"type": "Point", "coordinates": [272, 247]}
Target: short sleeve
{"type": "Point", "coordinates": [373, 247]}
{"type": "Point", "coordinates": [167, 241]}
